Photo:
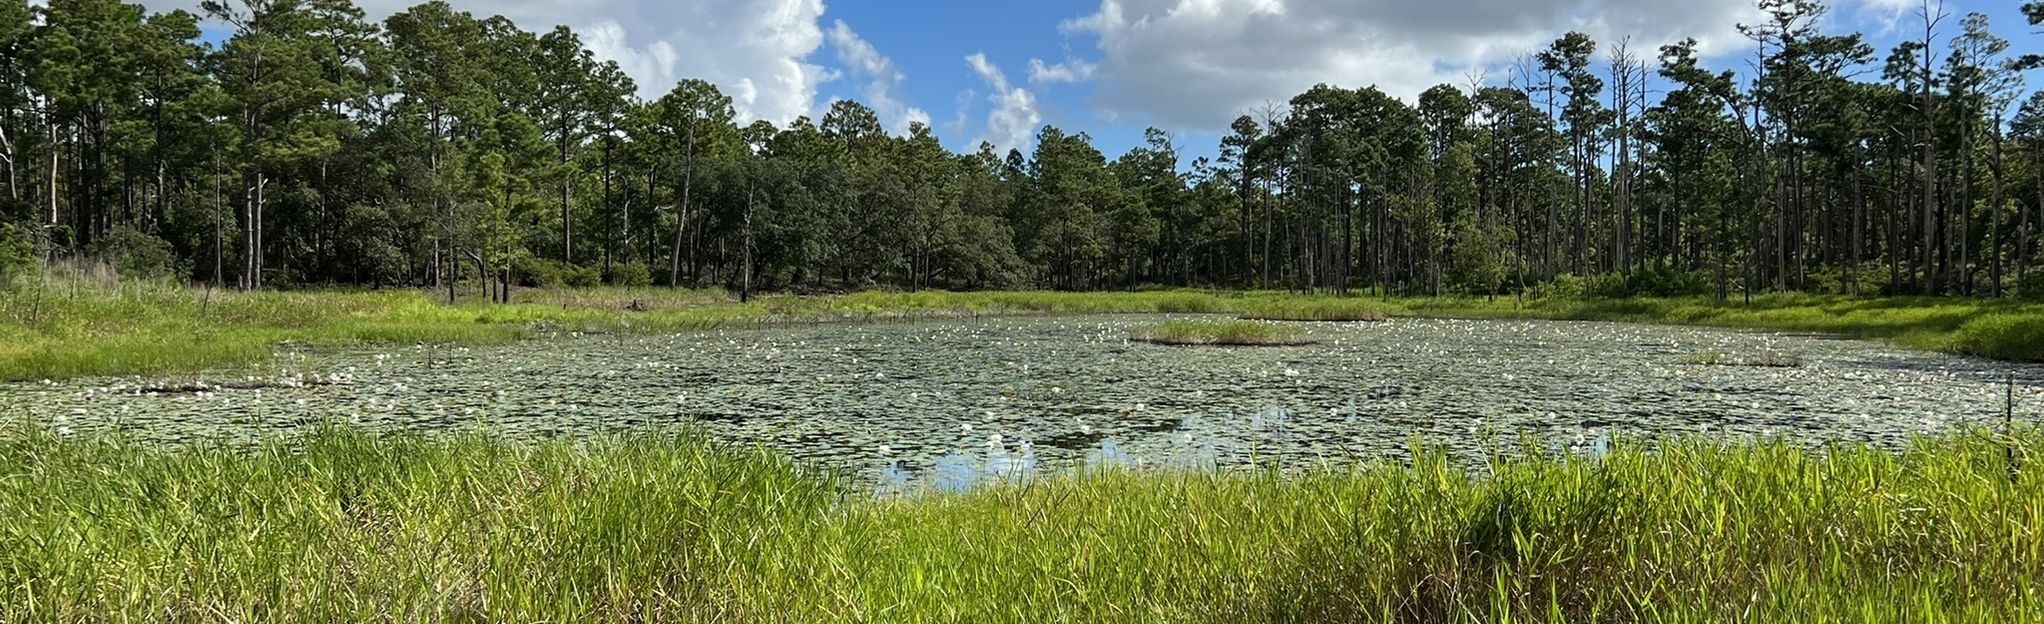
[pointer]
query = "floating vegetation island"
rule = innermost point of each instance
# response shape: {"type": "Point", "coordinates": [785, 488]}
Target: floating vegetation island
{"type": "Point", "coordinates": [1221, 334]}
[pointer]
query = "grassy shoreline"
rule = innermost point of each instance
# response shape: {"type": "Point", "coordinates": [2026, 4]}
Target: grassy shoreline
{"type": "Point", "coordinates": [343, 526]}
{"type": "Point", "coordinates": [127, 329]}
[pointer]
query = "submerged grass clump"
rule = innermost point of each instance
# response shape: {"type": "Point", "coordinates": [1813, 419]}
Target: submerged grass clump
{"type": "Point", "coordinates": [1221, 334]}
{"type": "Point", "coordinates": [344, 526]}
{"type": "Point", "coordinates": [1752, 360]}
{"type": "Point", "coordinates": [1316, 309]}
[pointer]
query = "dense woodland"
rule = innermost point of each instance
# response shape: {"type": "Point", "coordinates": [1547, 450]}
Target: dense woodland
{"type": "Point", "coordinates": [440, 149]}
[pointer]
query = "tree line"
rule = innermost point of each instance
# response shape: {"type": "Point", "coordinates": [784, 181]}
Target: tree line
{"type": "Point", "coordinates": [438, 149]}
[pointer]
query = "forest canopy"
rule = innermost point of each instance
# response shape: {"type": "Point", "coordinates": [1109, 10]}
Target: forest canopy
{"type": "Point", "coordinates": [311, 146]}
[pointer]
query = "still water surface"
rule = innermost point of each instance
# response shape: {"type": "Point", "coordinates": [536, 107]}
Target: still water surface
{"type": "Point", "coordinates": [951, 403]}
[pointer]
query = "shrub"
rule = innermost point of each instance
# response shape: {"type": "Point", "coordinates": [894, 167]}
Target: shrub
{"type": "Point", "coordinates": [630, 275]}
{"type": "Point", "coordinates": [1651, 282]}
{"type": "Point", "coordinates": [549, 273]}
{"type": "Point", "coordinates": [17, 253]}
{"type": "Point", "coordinates": [1567, 287]}
{"type": "Point", "coordinates": [2031, 288]}
{"type": "Point", "coordinates": [1872, 278]}
{"type": "Point", "coordinates": [136, 254]}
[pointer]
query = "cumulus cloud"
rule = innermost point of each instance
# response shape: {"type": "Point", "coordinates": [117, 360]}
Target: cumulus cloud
{"type": "Point", "coordinates": [884, 80]}
{"type": "Point", "coordinates": [1014, 119]}
{"type": "Point", "coordinates": [756, 51]}
{"type": "Point", "coordinates": [1198, 63]}
{"type": "Point", "coordinates": [1071, 70]}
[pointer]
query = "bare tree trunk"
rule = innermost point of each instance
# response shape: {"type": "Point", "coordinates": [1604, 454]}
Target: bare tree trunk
{"type": "Point", "coordinates": [609, 212]}
{"type": "Point", "coordinates": [51, 127]}
{"type": "Point", "coordinates": [567, 217]}
{"type": "Point", "coordinates": [745, 270]}
{"type": "Point", "coordinates": [248, 232]}
{"type": "Point", "coordinates": [7, 154]}
{"type": "Point", "coordinates": [681, 212]}
{"type": "Point", "coordinates": [1994, 231]}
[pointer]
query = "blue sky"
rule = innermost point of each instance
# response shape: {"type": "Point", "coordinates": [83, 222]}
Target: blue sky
{"type": "Point", "coordinates": [996, 71]}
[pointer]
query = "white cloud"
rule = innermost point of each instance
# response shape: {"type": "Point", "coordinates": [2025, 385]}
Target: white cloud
{"type": "Point", "coordinates": [756, 51]}
{"type": "Point", "coordinates": [883, 92]}
{"type": "Point", "coordinates": [1071, 70]}
{"type": "Point", "coordinates": [1891, 16]}
{"type": "Point", "coordinates": [1197, 63]}
{"type": "Point", "coordinates": [1014, 120]}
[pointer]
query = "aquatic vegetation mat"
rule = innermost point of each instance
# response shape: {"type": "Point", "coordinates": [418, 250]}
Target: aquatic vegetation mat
{"type": "Point", "coordinates": [960, 400]}
{"type": "Point", "coordinates": [1221, 334]}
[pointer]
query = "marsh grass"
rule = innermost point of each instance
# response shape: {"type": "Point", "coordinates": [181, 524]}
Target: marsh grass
{"type": "Point", "coordinates": [1751, 360]}
{"type": "Point", "coordinates": [1317, 309]}
{"type": "Point", "coordinates": [71, 324]}
{"type": "Point", "coordinates": [1221, 334]}
{"type": "Point", "coordinates": [1993, 328]}
{"type": "Point", "coordinates": [343, 526]}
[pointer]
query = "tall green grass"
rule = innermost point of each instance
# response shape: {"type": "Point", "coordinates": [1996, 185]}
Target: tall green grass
{"type": "Point", "coordinates": [1993, 328]}
{"type": "Point", "coordinates": [342, 526]}
{"type": "Point", "coordinates": [1317, 309]}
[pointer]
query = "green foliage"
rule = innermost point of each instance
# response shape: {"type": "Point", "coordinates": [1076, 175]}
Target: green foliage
{"type": "Point", "coordinates": [1649, 281]}
{"type": "Point", "coordinates": [657, 527]}
{"type": "Point", "coordinates": [1567, 286]}
{"type": "Point", "coordinates": [549, 273]}
{"type": "Point", "coordinates": [136, 255]}
{"type": "Point", "coordinates": [17, 254]}
{"type": "Point", "coordinates": [629, 275]}
{"type": "Point", "coordinates": [309, 145]}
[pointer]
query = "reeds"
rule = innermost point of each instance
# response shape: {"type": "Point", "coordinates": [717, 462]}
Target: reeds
{"type": "Point", "coordinates": [342, 526]}
{"type": "Point", "coordinates": [1317, 309]}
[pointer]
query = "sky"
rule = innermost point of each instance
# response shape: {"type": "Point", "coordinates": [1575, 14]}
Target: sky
{"type": "Point", "coordinates": [996, 71]}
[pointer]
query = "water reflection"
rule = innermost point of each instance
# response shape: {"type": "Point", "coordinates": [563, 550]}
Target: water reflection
{"type": "Point", "coordinates": [963, 471]}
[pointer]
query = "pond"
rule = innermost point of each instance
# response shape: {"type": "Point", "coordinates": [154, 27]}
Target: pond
{"type": "Point", "coordinates": [950, 403]}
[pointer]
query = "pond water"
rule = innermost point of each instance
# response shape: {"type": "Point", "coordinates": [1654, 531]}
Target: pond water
{"type": "Point", "coordinates": [950, 403]}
